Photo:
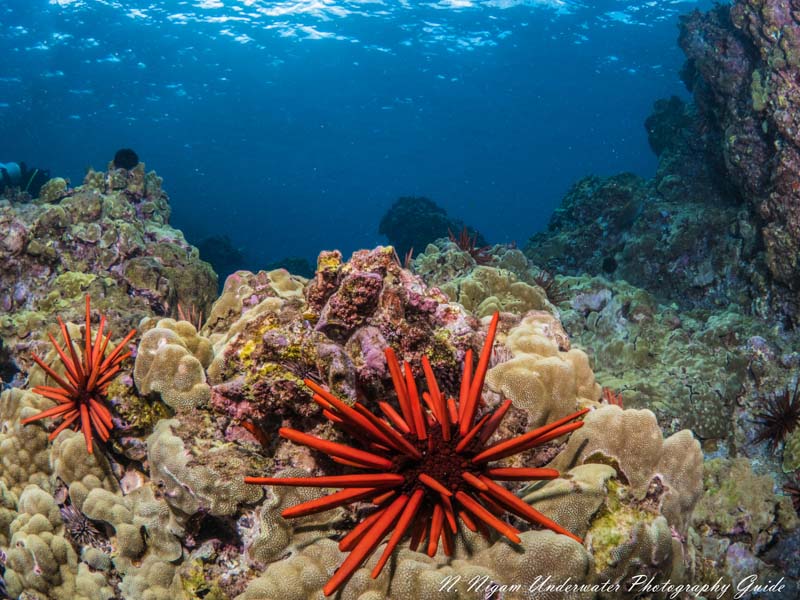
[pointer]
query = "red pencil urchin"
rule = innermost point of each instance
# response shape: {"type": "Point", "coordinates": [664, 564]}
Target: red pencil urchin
{"type": "Point", "coordinates": [427, 469]}
{"type": "Point", "coordinates": [82, 393]}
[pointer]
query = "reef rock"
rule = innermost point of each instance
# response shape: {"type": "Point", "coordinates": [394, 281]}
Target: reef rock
{"type": "Point", "coordinates": [719, 223]}
{"type": "Point", "coordinates": [108, 238]}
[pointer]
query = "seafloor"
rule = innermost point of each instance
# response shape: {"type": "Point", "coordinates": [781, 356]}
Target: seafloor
{"type": "Point", "coordinates": [669, 307]}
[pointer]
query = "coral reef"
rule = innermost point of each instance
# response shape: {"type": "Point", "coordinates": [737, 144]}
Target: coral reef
{"type": "Point", "coordinates": [506, 285]}
{"type": "Point", "coordinates": [668, 360]}
{"type": "Point", "coordinates": [743, 65]}
{"type": "Point", "coordinates": [108, 238]}
{"type": "Point", "coordinates": [627, 508]}
{"type": "Point", "coordinates": [741, 527]}
{"type": "Point", "coordinates": [659, 311]}
{"type": "Point", "coordinates": [334, 330]}
{"type": "Point", "coordinates": [451, 477]}
{"type": "Point", "coordinates": [683, 242]}
{"type": "Point", "coordinates": [164, 510]}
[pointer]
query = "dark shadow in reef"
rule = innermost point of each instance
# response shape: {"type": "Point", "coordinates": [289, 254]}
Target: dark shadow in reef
{"type": "Point", "coordinates": [8, 368]}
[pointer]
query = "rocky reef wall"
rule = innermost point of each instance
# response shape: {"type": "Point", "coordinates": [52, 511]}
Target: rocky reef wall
{"type": "Point", "coordinates": [719, 223]}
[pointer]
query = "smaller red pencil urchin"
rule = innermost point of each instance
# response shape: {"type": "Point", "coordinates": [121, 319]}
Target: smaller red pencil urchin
{"type": "Point", "coordinates": [425, 468]}
{"type": "Point", "coordinates": [612, 397]}
{"type": "Point", "coordinates": [81, 393]}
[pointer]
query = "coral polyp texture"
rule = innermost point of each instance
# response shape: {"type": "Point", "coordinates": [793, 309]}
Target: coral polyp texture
{"type": "Point", "coordinates": [80, 392]}
{"type": "Point", "coordinates": [427, 468]}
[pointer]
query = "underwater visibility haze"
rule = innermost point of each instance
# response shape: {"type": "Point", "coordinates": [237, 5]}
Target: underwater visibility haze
{"type": "Point", "coordinates": [315, 116]}
{"type": "Point", "coordinates": [373, 299]}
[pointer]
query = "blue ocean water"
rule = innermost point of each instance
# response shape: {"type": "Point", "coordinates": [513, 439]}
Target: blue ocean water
{"type": "Point", "coordinates": [291, 126]}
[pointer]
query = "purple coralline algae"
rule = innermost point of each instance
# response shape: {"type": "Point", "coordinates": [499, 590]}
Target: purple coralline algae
{"type": "Point", "coordinates": [334, 328]}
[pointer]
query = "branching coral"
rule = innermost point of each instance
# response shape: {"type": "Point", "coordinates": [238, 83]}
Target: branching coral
{"type": "Point", "coordinates": [426, 468]}
{"type": "Point", "coordinates": [81, 393]}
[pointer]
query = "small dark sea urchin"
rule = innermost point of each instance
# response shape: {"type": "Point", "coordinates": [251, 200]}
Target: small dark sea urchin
{"type": "Point", "coordinates": [779, 417]}
{"type": "Point", "coordinates": [3, 590]}
{"type": "Point", "coordinates": [792, 489]}
{"type": "Point", "coordinates": [79, 528]}
{"type": "Point", "coordinates": [426, 469]}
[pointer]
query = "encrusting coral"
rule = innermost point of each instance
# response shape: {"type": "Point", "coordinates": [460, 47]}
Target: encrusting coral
{"type": "Point", "coordinates": [431, 465]}
{"type": "Point", "coordinates": [108, 238]}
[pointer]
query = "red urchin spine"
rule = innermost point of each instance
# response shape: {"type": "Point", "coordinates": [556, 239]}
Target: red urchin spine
{"type": "Point", "coordinates": [81, 394]}
{"type": "Point", "coordinates": [431, 465]}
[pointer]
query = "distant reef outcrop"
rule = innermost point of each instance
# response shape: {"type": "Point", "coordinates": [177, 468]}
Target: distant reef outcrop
{"type": "Point", "coordinates": [720, 221]}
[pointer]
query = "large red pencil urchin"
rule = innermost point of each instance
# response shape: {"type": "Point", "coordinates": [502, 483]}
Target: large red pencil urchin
{"type": "Point", "coordinates": [427, 468]}
{"type": "Point", "coordinates": [82, 393]}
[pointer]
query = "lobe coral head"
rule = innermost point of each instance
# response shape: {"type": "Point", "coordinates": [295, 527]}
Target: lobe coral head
{"type": "Point", "coordinates": [426, 468]}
